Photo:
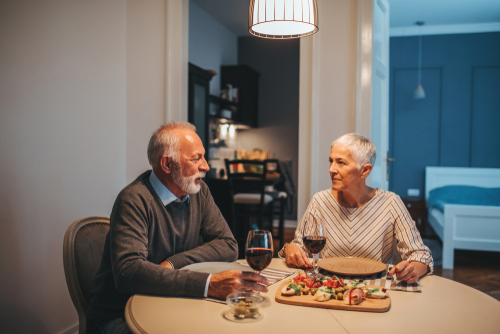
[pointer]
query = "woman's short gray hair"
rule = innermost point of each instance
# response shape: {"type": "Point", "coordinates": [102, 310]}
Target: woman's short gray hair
{"type": "Point", "coordinates": [164, 141]}
{"type": "Point", "coordinates": [362, 149]}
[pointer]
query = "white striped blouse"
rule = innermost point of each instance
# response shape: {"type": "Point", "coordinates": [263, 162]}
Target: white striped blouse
{"type": "Point", "coordinates": [367, 231]}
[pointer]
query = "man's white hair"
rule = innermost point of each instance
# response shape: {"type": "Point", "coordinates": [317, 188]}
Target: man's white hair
{"type": "Point", "coordinates": [165, 141]}
{"type": "Point", "coordinates": [362, 149]}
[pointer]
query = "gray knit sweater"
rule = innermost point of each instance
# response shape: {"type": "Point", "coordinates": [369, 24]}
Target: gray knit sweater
{"type": "Point", "coordinates": [144, 233]}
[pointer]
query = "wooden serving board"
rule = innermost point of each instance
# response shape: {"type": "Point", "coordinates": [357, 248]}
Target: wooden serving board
{"type": "Point", "coordinates": [367, 305]}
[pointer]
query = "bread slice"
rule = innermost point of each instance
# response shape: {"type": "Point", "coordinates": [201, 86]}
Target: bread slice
{"type": "Point", "coordinates": [287, 291]}
{"type": "Point", "coordinates": [322, 296]}
{"type": "Point", "coordinates": [380, 294]}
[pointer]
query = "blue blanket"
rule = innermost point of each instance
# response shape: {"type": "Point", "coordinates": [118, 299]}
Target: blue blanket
{"type": "Point", "coordinates": [467, 195]}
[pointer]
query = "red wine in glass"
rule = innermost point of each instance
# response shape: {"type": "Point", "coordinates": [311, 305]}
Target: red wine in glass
{"type": "Point", "coordinates": [259, 251]}
{"type": "Point", "coordinates": [314, 244]}
{"type": "Point", "coordinates": [313, 238]}
{"type": "Point", "coordinates": [258, 258]}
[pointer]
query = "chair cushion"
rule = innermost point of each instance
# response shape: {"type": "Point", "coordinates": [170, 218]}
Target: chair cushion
{"type": "Point", "coordinates": [244, 198]}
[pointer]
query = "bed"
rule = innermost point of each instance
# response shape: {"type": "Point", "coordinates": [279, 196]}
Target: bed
{"type": "Point", "coordinates": [463, 226]}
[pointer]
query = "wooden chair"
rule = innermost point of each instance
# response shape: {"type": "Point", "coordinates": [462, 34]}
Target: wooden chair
{"type": "Point", "coordinates": [279, 201]}
{"type": "Point", "coordinates": [248, 189]}
{"type": "Point", "coordinates": [82, 253]}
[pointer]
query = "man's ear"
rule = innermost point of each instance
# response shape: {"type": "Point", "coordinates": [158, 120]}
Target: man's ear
{"type": "Point", "coordinates": [166, 164]}
{"type": "Point", "coordinates": [365, 170]}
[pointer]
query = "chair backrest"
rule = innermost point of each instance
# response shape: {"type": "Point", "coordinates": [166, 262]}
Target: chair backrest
{"type": "Point", "coordinates": [285, 169]}
{"type": "Point", "coordinates": [251, 180]}
{"type": "Point", "coordinates": [82, 253]}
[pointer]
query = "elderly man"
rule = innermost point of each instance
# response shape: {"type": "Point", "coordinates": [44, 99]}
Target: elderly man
{"type": "Point", "coordinates": [164, 220]}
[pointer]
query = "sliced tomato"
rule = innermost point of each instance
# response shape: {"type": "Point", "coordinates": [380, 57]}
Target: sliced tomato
{"type": "Point", "coordinates": [309, 282]}
{"type": "Point", "coordinates": [333, 283]}
{"type": "Point", "coordinates": [329, 283]}
{"type": "Point", "coordinates": [317, 285]}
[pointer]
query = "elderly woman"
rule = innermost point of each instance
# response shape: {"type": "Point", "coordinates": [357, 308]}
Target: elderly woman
{"type": "Point", "coordinates": [361, 221]}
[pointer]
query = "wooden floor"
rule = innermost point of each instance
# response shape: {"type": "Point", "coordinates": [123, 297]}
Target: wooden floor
{"type": "Point", "coordinates": [479, 270]}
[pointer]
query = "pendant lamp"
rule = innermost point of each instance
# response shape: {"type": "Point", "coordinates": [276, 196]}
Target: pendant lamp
{"type": "Point", "coordinates": [280, 19]}
{"type": "Point", "coordinates": [419, 91]}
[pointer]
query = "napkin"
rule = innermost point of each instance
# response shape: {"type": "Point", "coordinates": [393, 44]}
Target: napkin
{"type": "Point", "coordinates": [272, 275]}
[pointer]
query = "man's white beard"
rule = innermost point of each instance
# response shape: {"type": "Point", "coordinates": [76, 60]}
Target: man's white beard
{"type": "Point", "coordinates": [186, 183]}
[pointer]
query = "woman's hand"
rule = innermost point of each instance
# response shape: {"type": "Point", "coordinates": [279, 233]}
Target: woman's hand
{"type": "Point", "coordinates": [296, 257]}
{"type": "Point", "coordinates": [409, 272]}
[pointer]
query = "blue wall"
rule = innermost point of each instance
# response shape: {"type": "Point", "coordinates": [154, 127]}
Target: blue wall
{"type": "Point", "coordinates": [458, 123]}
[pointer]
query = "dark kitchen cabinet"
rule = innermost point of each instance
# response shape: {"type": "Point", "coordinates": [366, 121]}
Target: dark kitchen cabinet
{"type": "Point", "coordinates": [198, 100]}
{"type": "Point", "coordinates": [246, 80]}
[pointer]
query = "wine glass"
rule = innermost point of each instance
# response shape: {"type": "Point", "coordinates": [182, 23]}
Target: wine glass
{"type": "Point", "coordinates": [259, 251]}
{"type": "Point", "coordinates": [313, 239]}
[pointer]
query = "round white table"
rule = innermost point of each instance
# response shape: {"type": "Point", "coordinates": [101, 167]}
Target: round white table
{"type": "Point", "coordinates": [443, 306]}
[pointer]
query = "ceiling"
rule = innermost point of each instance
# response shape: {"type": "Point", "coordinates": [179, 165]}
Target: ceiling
{"type": "Point", "coordinates": [440, 16]}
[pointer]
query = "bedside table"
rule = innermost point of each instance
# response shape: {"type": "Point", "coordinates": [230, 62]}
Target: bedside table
{"type": "Point", "coordinates": [418, 212]}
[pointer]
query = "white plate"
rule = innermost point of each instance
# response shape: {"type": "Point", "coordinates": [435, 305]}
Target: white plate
{"type": "Point", "coordinates": [216, 267]}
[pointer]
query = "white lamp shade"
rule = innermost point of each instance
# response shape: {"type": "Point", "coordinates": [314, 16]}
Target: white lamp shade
{"type": "Point", "coordinates": [282, 18]}
{"type": "Point", "coordinates": [419, 92]}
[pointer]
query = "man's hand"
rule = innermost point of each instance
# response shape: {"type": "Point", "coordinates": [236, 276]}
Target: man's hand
{"type": "Point", "coordinates": [166, 264]}
{"type": "Point", "coordinates": [227, 282]}
{"type": "Point", "coordinates": [409, 272]}
{"type": "Point", "coordinates": [296, 257]}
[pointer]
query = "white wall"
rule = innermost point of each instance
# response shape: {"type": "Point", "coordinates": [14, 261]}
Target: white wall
{"type": "Point", "coordinates": [328, 61]}
{"type": "Point", "coordinates": [211, 44]}
{"type": "Point", "coordinates": [81, 90]}
{"type": "Point", "coordinates": [145, 52]}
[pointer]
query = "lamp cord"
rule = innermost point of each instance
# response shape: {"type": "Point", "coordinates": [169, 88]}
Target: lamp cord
{"type": "Point", "coordinates": [419, 59]}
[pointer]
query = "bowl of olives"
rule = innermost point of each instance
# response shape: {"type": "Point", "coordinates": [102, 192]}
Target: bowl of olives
{"type": "Point", "coordinates": [244, 306]}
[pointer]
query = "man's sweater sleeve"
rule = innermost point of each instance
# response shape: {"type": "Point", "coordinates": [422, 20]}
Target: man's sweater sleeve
{"type": "Point", "coordinates": [132, 272]}
{"type": "Point", "coordinates": [219, 243]}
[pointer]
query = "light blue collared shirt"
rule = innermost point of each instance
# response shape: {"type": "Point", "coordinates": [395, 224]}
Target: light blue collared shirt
{"type": "Point", "coordinates": [163, 192]}
{"type": "Point", "coordinates": [167, 197]}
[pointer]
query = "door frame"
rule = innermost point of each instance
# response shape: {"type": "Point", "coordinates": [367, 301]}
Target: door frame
{"type": "Point", "coordinates": [176, 59]}
{"type": "Point", "coordinates": [358, 120]}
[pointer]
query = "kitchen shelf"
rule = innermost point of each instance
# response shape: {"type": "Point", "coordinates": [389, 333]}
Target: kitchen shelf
{"type": "Point", "coordinates": [246, 80]}
{"type": "Point", "coordinates": [221, 119]}
{"type": "Point", "coordinates": [225, 110]}
{"type": "Point", "coordinates": [222, 102]}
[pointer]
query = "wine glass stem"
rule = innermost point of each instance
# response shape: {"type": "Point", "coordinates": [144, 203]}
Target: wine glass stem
{"type": "Point", "coordinates": [314, 264]}
{"type": "Point", "coordinates": [257, 292]}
